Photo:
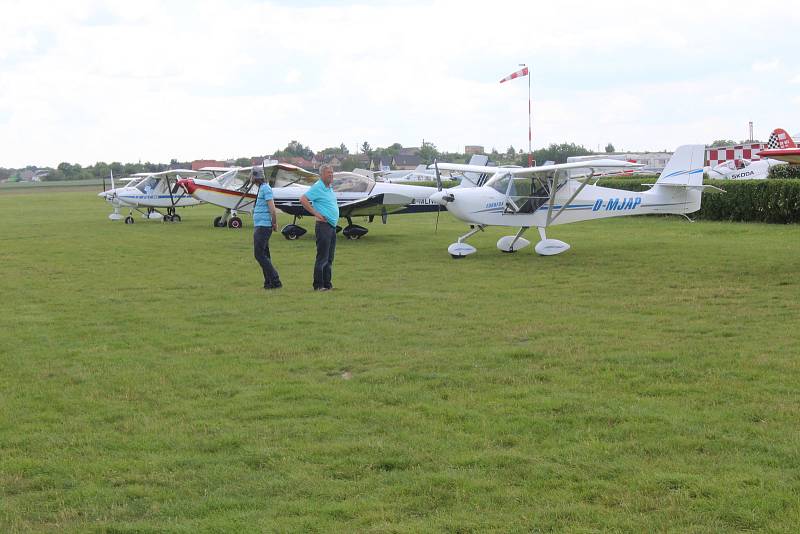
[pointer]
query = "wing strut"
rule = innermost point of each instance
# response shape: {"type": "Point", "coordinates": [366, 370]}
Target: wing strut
{"type": "Point", "coordinates": [552, 218]}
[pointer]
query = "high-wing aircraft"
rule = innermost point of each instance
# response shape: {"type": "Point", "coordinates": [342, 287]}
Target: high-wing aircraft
{"type": "Point", "coordinates": [781, 147]}
{"type": "Point", "coordinates": [546, 196]}
{"type": "Point", "coordinates": [150, 191]}
{"type": "Point", "coordinates": [357, 196]}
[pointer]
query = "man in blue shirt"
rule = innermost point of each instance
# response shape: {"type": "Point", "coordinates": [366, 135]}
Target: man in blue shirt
{"type": "Point", "coordinates": [265, 221]}
{"type": "Point", "coordinates": [320, 201]}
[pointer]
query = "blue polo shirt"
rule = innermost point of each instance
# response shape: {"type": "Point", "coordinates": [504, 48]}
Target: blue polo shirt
{"type": "Point", "coordinates": [324, 200]}
{"type": "Point", "coordinates": [261, 216]}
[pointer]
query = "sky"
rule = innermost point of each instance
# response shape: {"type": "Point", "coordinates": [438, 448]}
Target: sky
{"type": "Point", "coordinates": [95, 80]}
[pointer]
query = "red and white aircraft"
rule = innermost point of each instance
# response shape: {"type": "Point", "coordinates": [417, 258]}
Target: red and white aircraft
{"type": "Point", "coordinates": [782, 147]}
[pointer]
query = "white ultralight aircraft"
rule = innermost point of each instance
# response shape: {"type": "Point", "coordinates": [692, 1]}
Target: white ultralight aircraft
{"type": "Point", "coordinates": [742, 169]}
{"type": "Point", "coordinates": [357, 196]}
{"type": "Point", "coordinates": [546, 196]}
{"type": "Point", "coordinates": [150, 191]}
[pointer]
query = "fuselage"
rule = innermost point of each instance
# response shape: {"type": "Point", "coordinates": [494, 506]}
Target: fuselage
{"type": "Point", "coordinates": [135, 198]}
{"type": "Point", "coordinates": [288, 198]}
{"type": "Point", "coordinates": [487, 206]}
{"type": "Point", "coordinates": [742, 169]}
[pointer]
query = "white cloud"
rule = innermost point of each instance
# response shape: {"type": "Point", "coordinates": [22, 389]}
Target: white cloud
{"type": "Point", "coordinates": [767, 66]}
{"type": "Point", "coordinates": [107, 80]}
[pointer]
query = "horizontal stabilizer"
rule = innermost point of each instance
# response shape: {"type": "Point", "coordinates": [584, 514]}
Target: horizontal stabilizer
{"type": "Point", "coordinates": [709, 188]}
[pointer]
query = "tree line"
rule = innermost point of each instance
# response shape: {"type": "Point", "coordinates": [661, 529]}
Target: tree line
{"type": "Point", "coordinates": [428, 152]}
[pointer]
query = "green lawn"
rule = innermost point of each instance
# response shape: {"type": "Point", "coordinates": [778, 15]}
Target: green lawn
{"type": "Point", "coordinates": [646, 380]}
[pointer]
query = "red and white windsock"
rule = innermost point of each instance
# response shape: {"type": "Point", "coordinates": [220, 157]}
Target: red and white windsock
{"type": "Point", "coordinates": [518, 74]}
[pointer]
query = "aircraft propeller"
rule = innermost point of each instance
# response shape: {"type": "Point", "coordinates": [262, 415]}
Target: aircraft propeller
{"type": "Point", "coordinates": [438, 188]}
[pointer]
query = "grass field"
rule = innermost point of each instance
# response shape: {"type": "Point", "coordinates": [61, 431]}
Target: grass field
{"type": "Point", "coordinates": [647, 380]}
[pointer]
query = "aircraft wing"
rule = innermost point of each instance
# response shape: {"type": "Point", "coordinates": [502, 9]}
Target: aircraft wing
{"type": "Point", "coordinates": [789, 155]}
{"type": "Point", "coordinates": [375, 205]}
{"type": "Point", "coordinates": [283, 174]}
{"type": "Point", "coordinates": [522, 171]}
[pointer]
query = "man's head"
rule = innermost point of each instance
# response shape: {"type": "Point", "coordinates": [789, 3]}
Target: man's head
{"type": "Point", "coordinates": [257, 175]}
{"type": "Point", "coordinates": [326, 173]}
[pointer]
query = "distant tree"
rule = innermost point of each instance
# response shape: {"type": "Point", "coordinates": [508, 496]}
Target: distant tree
{"type": "Point", "coordinates": [100, 170]}
{"type": "Point", "coordinates": [366, 149]}
{"type": "Point", "coordinates": [510, 152]}
{"type": "Point", "coordinates": [295, 150]}
{"type": "Point", "coordinates": [724, 142]}
{"type": "Point", "coordinates": [243, 162]}
{"type": "Point", "coordinates": [349, 163]}
{"type": "Point", "coordinates": [343, 149]}
{"type": "Point", "coordinates": [56, 175]}
{"type": "Point", "coordinates": [609, 148]}
{"type": "Point", "coordinates": [556, 153]}
{"type": "Point", "coordinates": [428, 152]}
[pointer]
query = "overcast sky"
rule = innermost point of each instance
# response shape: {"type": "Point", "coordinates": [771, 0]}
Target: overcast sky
{"type": "Point", "coordinates": [86, 81]}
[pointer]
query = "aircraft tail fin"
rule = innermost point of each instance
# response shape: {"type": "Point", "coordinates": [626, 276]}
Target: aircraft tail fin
{"type": "Point", "coordinates": [475, 179]}
{"type": "Point", "coordinates": [685, 167]}
{"type": "Point", "coordinates": [780, 139]}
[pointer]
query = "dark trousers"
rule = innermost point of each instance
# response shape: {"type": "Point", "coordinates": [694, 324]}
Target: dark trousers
{"type": "Point", "coordinates": [326, 247]}
{"type": "Point", "coordinates": [261, 236]}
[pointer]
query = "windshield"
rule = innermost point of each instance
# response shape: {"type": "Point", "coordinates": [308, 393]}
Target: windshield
{"type": "Point", "coordinates": [349, 182]}
{"type": "Point", "coordinates": [499, 182]}
{"type": "Point", "coordinates": [524, 194]}
{"type": "Point", "coordinates": [148, 185]}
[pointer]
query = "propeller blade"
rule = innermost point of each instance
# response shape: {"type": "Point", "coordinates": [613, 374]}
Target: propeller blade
{"type": "Point", "coordinates": [438, 176]}
{"type": "Point", "coordinates": [438, 210]}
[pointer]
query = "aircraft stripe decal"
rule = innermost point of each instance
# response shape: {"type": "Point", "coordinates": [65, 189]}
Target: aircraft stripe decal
{"type": "Point", "coordinates": [679, 173]}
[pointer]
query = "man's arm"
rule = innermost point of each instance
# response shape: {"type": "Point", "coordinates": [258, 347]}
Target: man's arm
{"type": "Point", "coordinates": [310, 209]}
{"type": "Point", "coordinates": [273, 214]}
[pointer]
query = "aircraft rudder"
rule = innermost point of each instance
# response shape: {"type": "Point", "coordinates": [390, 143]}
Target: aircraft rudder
{"type": "Point", "coordinates": [685, 167]}
{"type": "Point", "coordinates": [779, 138]}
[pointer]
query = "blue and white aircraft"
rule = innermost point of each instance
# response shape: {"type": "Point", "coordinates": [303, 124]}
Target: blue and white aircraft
{"type": "Point", "coordinates": [540, 197]}
{"type": "Point", "coordinates": [151, 191]}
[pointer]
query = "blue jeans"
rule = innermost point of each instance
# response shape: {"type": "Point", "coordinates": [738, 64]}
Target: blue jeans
{"type": "Point", "coordinates": [326, 247]}
{"type": "Point", "coordinates": [261, 235]}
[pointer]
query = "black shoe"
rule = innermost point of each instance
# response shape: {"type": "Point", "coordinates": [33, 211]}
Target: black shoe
{"type": "Point", "coordinates": [321, 289]}
{"type": "Point", "coordinates": [277, 285]}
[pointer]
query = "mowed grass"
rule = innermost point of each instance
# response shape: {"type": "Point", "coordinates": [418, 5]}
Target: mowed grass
{"type": "Point", "coordinates": [646, 380]}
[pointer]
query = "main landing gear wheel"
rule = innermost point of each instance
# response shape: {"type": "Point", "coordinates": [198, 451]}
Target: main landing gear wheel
{"type": "Point", "coordinates": [167, 218]}
{"type": "Point", "coordinates": [176, 218]}
{"type": "Point", "coordinates": [457, 256]}
{"type": "Point", "coordinates": [354, 231]}
{"type": "Point", "coordinates": [235, 223]}
{"type": "Point", "coordinates": [128, 220]}
{"type": "Point", "coordinates": [292, 231]}
{"type": "Point", "coordinates": [219, 223]}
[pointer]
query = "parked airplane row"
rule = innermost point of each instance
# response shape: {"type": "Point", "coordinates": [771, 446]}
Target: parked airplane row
{"type": "Point", "coordinates": [520, 197]}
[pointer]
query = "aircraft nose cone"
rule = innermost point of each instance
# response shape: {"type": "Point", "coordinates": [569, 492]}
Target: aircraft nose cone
{"type": "Point", "coordinates": [441, 198]}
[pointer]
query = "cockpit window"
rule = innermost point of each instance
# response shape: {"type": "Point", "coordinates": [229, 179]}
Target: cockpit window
{"type": "Point", "coordinates": [148, 186]}
{"type": "Point", "coordinates": [349, 182]}
{"type": "Point", "coordinates": [500, 183]}
{"type": "Point", "coordinates": [524, 194]}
